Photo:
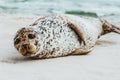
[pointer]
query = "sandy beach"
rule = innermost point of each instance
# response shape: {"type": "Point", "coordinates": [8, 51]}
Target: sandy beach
{"type": "Point", "coordinates": [103, 63]}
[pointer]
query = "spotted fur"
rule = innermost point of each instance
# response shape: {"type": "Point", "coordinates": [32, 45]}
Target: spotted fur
{"type": "Point", "coordinates": [60, 35]}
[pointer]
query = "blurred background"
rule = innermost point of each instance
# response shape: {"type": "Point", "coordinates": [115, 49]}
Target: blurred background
{"type": "Point", "coordinates": [94, 8]}
{"type": "Point", "coordinates": [103, 63]}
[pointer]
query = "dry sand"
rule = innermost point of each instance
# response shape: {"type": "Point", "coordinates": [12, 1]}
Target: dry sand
{"type": "Point", "coordinates": [103, 63]}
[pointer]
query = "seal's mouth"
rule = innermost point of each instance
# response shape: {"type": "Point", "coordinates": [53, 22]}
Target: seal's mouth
{"type": "Point", "coordinates": [28, 50]}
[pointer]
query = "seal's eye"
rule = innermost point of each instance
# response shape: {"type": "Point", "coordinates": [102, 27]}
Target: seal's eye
{"type": "Point", "coordinates": [31, 36]}
{"type": "Point", "coordinates": [17, 41]}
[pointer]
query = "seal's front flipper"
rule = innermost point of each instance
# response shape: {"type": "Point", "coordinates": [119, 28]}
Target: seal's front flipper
{"type": "Point", "coordinates": [76, 29]}
{"type": "Point", "coordinates": [82, 52]}
{"type": "Point", "coordinates": [107, 28]}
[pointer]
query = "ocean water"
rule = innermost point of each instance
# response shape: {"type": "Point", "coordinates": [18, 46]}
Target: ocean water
{"type": "Point", "coordinates": [94, 8]}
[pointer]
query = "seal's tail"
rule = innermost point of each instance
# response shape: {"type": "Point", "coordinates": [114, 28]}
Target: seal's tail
{"type": "Point", "coordinates": [107, 28]}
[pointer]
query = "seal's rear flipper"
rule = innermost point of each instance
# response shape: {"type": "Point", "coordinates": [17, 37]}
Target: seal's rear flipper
{"type": "Point", "coordinates": [115, 29]}
{"type": "Point", "coordinates": [107, 28]}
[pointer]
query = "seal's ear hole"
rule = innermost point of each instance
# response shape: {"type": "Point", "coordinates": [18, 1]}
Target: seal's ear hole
{"type": "Point", "coordinates": [31, 36]}
{"type": "Point", "coordinates": [17, 41]}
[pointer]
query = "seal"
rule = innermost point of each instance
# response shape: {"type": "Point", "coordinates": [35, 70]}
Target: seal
{"type": "Point", "coordinates": [60, 35]}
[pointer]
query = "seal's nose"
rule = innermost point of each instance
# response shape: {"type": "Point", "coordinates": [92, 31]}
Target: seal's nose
{"type": "Point", "coordinates": [27, 49]}
{"type": "Point", "coordinates": [25, 46]}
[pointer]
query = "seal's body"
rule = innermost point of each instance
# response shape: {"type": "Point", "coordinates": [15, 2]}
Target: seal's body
{"type": "Point", "coordinates": [60, 35]}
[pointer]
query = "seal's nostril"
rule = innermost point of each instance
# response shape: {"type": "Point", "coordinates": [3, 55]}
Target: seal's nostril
{"type": "Point", "coordinates": [25, 46]}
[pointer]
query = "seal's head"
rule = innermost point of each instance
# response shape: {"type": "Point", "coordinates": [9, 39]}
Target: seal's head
{"type": "Point", "coordinates": [26, 42]}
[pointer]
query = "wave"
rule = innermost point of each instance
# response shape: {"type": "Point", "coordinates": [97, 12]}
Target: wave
{"type": "Point", "coordinates": [83, 13]}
